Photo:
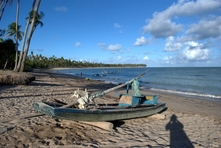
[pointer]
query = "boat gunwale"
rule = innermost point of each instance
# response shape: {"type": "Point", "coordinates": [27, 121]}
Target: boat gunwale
{"type": "Point", "coordinates": [103, 110]}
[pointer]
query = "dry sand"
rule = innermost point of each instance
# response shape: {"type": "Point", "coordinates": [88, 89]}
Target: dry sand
{"type": "Point", "coordinates": [189, 122]}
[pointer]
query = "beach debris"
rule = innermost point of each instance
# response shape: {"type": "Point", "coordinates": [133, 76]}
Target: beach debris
{"type": "Point", "coordinates": [9, 77]}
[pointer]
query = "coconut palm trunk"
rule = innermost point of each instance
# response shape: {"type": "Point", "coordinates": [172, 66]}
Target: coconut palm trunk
{"type": "Point", "coordinates": [16, 38]}
{"type": "Point", "coordinates": [32, 27]}
{"type": "Point", "coordinates": [2, 7]}
{"type": "Point", "coordinates": [24, 39]}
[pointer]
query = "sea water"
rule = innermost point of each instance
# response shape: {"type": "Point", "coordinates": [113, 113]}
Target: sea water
{"type": "Point", "coordinates": [201, 82]}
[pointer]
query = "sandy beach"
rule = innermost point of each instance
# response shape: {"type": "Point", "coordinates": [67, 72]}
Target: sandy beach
{"type": "Point", "coordinates": [189, 122]}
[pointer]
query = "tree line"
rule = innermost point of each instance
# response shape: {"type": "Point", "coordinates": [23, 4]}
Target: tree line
{"type": "Point", "coordinates": [12, 58]}
{"type": "Point", "coordinates": [7, 60]}
{"type": "Point", "coordinates": [39, 61]}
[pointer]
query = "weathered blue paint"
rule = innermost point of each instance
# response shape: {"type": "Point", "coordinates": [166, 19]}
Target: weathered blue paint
{"type": "Point", "coordinates": [105, 113]}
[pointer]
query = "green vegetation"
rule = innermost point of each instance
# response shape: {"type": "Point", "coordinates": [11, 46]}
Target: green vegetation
{"type": "Point", "coordinates": [39, 61]}
{"type": "Point", "coordinates": [11, 58]}
{"type": "Point", "coordinates": [7, 54]}
{"type": "Point", "coordinates": [33, 20]}
{"type": "Point", "coordinates": [7, 60]}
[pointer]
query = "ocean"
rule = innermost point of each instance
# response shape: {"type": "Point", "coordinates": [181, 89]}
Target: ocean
{"type": "Point", "coordinates": [198, 82]}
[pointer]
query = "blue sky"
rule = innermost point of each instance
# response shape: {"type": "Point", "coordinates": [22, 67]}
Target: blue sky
{"type": "Point", "coordinates": [159, 33]}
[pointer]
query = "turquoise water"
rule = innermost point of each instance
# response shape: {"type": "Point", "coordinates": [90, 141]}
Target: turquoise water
{"type": "Point", "coordinates": [200, 82]}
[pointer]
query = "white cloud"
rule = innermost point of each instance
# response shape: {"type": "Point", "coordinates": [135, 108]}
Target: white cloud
{"type": "Point", "coordinates": [116, 25]}
{"type": "Point", "coordinates": [161, 25]}
{"type": "Point", "coordinates": [78, 44]}
{"type": "Point", "coordinates": [194, 52]}
{"type": "Point", "coordinates": [141, 41]}
{"type": "Point", "coordinates": [119, 58]}
{"type": "Point", "coordinates": [168, 60]}
{"type": "Point", "coordinates": [62, 9]}
{"type": "Point", "coordinates": [162, 28]}
{"type": "Point", "coordinates": [102, 45]}
{"type": "Point", "coordinates": [171, 45]}
{"type": "Point", "coordinates": [114, 47]}
{"type": "Point", "coordinates": [192, 44]}
{"type": "Point", "coordinates": [146, 58]}
{"type": "Point", "coordinates": [206, 29]}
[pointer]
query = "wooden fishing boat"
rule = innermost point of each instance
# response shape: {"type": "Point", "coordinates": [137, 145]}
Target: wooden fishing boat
{"type": "Point", "coordinates": [85, 109]}
{"type": "Point", "coordinates": [102, 112]}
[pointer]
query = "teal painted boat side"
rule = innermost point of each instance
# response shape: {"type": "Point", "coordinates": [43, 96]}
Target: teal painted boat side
{"type": "Point", "coordinates": [94, 115]}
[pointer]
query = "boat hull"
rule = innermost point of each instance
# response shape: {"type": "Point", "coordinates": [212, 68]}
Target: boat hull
{"type": "Point", "coordinates": [95, 115]}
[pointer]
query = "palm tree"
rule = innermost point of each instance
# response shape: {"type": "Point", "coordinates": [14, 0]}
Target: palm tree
{"type": "Point", "coordinates": [24, 39]}
{"type": "Point", "coordinates": [11, 31]}
{"type": "Point", "coordinates": [2, 32]}
{"type": "Point", "coordinates": [38, 18]}
{"type": "Point", "coordinates": [29, 31]}
{"type": "Point", "coordinates": [14, 30]}
{"type": "Point", "coordinates": [16, 39]}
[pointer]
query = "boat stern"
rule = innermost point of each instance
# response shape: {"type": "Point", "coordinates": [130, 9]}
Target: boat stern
{"type": "Point", "coordinates": [131, 100]}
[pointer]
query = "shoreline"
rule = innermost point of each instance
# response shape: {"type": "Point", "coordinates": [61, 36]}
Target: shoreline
{"type": "Point", "coordinates": [195, 95]}
{"type": "Point", "coordinates": [200, 101]}
{"type": "Point", "coordinates": [200, 96]}
{"type": "Point", "coordinates": [198, 122]}
{"type": "Point", "coordinates": [176, 101]}
{"type": "Point", "coordinates": [67, 68]}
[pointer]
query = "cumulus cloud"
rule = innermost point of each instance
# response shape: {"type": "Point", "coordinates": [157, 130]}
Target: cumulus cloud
{"type": "Point", "coordinates": [161, 26]}
{"type": "Point", "coordinates": [146, 58]}
{"type": "Point", "coordinates": [116, 25]}
{"type": "Point", "coordinates": [141, 41]}
{"type": "Point", "coordinates": [206, 29]}
{"type": "Point", "coordinates": [168, 60]}
{"type": "Point", "coordinates": [171, 45]}
{"type": "Point", "coordinates": [194, 52]}
{"type": "Point", "coordinates": [114, 47]}
{"type": "Point", "coordinates": [78, 44]}
{"type": "Point", "coordinates": [102, 45]}
{"type": "Point", "coordinates": [62, 9]}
